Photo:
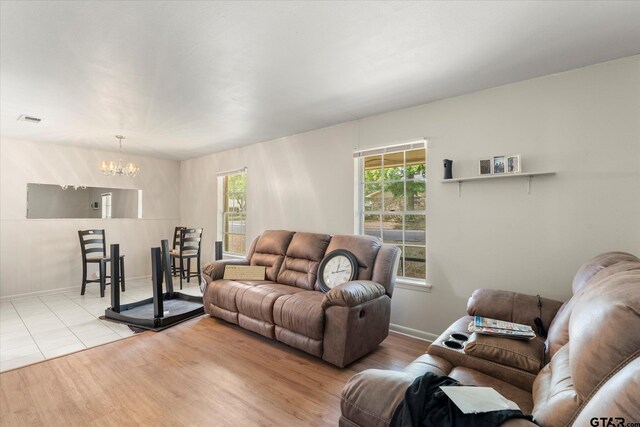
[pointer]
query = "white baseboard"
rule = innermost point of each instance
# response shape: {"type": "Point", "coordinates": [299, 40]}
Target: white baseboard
{"type": "Point", "coordinates": [38, 293]}
{"type": "Point", "coordinates": [55, 291]}
{"type": "Point", "coordinates": [413, 333]}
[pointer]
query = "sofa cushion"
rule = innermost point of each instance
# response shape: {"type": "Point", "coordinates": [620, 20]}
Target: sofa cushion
{"type": "Point", "coordinates": [257, 301]}
{"type": "Point", "coordinates": [304, 253]}
{"type": "Point", "coordinates": [221, 313]}
{"type": "Point", "coordinates": [428, 363]}
{"type": "Point", "coordinates": [365, 249]}
{"type": "Point", "coordinates": [256, 282]}
{"type": "Point", "coordinates": [554, 394]}
{"type": "Point", "coordinates": [301, 312]}
{"type": "Point", "coordinates": [270, 250]}
{"type": "Point", "coordinates": [525, 355]}
{"type": "Point", "coordinates": [299, 341]}
{"type": "Point", "coordinates": [222, 293]}
{"type": "Point", "coordinates": [274, 242]}
{"type": "Point", "coordinates": [258, 326]}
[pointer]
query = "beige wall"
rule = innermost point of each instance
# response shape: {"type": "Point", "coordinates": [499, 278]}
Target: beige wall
{"type": "Point", "coordinates": [43, 255]}
{"type": "Point", "coordinates": [584, 124]}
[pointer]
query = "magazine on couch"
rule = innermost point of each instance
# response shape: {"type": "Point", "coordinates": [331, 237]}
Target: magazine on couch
{"type": "Point", "coordinates": [484, 325]}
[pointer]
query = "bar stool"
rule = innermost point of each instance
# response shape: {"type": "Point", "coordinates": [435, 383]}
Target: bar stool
{"type": "Point", "coordinates": [189, 248]}
{"type": "Point", "coordinates": [94, 242]}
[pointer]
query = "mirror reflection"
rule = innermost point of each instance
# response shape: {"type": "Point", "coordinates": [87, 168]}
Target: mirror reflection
{"type": "Point", "coordinates": [73, 201]}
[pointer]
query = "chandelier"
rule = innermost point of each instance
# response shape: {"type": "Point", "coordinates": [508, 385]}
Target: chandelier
{"type": "Point", "coordinates": [111, 168]}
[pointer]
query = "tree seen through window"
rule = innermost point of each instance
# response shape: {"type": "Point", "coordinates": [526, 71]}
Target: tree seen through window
{"type": "Point", "coordinates": [394, 205]}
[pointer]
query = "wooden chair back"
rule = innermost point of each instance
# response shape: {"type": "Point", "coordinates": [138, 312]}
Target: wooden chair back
{"type": "Point", "coordinates": [190, 241]}
{"type": "Point", "coordinates": [176, 237]}
{"type": "Point", "coordinates": [92, 241]}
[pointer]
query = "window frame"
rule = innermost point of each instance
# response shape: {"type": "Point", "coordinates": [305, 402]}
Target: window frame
{"type": "Point", "coordinates": [224, 212]}
{"type": "Point", "coordinates": [360, 211]}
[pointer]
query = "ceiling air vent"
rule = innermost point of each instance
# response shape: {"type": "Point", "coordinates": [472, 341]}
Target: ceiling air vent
{"type": "Point", "coordinates": [30, 119]}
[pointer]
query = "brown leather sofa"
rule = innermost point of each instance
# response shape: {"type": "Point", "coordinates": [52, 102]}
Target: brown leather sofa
{"type": "Point", "coordinates": [589, 366]}
{"type": "Point", "coordinates": [340, 326]}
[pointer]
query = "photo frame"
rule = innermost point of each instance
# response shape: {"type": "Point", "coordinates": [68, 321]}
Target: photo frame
{"type": "Point", "coordinates": [498, 165]}
{"type": "Point", "coordinates": [513, 164]}
{"type": "Point", "coordinates": [484, 166]}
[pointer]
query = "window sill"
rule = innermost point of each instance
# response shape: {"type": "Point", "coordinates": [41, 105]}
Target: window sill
{"type": "Point", "coordinates": [413, 285]}
{"type": "Point", "coordinates": [226, 255]}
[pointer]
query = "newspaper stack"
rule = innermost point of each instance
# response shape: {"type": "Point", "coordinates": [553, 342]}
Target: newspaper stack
{"type": "Point", "coordinates": [484, 325]}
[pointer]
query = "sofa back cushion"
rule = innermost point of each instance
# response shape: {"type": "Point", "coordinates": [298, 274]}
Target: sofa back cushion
{"type": "Point", "coordinates": [270, 250]}
{"type": "Point", "coordinates": [604, 330]}
{"type": "Point", "coordinates": [365, 249]}
{"type": "Point", "coordinates": [304, 253]}
{"type": "Point", "coordinates": [558, 334]}
{"type": "Point", "coordinates": [596, 264]}
{"type": "Point", "coordinates": [603, 341]}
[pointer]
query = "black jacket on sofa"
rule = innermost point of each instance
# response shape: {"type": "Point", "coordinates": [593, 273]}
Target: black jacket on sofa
{"type": "Point", "coordinates": [425, 404]}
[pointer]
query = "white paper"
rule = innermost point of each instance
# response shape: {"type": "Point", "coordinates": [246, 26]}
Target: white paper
{"type": "Point", "coordinates": [473, 400]}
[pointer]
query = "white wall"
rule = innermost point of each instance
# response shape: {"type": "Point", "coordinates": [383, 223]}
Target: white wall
{"type": "Point", "coordinates": [584, 124]}
{"type": "Point", "coordinates": [42, 255]}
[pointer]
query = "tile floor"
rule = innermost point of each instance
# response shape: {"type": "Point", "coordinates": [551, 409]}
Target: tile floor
{"type": "Point", "coordinates": [39, 328]}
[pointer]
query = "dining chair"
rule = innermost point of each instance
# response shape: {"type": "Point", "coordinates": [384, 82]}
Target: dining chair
{"type": "Point", "coordinates": [93, 245]}
{"type": "Point", "coordinates": [189, 248]}
{"type": "Point", "coordinates": [175, 247]}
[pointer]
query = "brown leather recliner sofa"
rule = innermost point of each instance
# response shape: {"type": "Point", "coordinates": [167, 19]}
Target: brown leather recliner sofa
{"type": "Point", "coordinates": [589, 366]}
{"type": "Point", "coordinates": [340, 326]}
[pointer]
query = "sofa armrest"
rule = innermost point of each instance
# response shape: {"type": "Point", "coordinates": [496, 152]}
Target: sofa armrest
{"type": "Point", "coordinates": [512, 307]}
{"type": "Point", "coordinates": [353, 293]}
{"type": "Point", "coordinates": [215, 269]}
{"type": "Point", "coordinates": [371, 397]}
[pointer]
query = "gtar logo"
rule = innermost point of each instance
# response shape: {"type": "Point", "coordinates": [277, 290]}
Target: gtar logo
{"type": "Point", "coordinates": [607, 422]}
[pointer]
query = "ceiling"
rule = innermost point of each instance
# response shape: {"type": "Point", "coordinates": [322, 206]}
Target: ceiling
{"type": "Point", "coordinates": [182, 79]}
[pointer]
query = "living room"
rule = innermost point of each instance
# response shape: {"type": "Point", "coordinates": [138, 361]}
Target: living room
{"type": "Point", "coordinates": [328, 118]}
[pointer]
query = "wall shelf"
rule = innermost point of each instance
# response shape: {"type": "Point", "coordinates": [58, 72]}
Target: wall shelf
{"type": "Point", "coordinates": [528, 175]}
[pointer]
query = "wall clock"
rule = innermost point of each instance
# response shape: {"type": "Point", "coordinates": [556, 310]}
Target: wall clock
{"type": "Point", "coordinates": [337, 267]}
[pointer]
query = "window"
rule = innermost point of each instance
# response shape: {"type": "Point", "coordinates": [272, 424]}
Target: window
{"type": "Point", "coordinates": [234, 212]}
{"type": "Point", "coordinates": [106, 205]}
{"type": "Point", "coordinates": [392, 202]}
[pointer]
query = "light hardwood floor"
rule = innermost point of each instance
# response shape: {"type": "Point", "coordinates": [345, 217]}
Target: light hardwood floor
{"type": "Point", "coordinates": [202, 372]}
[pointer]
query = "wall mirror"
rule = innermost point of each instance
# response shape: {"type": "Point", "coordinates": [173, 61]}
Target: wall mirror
{"type": "Point", "coordinates": [73, 201]}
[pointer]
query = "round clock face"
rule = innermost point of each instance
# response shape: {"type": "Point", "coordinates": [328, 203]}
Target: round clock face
{"type": "Point", "coordinates": [336, 268]}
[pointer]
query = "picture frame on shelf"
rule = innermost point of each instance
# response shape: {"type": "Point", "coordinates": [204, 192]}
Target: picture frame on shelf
{"type": "Point", "coordinates": [484, 166]}
{"type": "Point", "coordinates": [513, 164]}
{"type": "Point", "coordinates": [498, 165]}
